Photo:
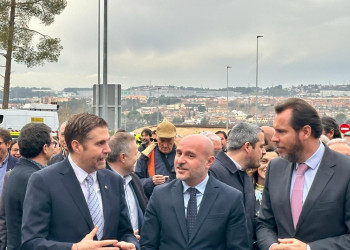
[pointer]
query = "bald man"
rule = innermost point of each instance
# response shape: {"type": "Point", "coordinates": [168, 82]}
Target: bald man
{"type": "Point", "coordinates": [339, 145]}
{"type": "Point", "coordinates": [192, 211]}
{"type": "Point", "coordinates": [268, 133]}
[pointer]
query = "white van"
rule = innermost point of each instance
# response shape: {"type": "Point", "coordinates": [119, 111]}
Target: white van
{"type": "Point", "coordinates": [15, 119]}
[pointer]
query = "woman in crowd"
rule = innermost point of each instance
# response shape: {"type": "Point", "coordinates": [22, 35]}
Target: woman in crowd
{"type": "Point", "coordinates": [258, 176]}
{"type": "Point", "coordinates": [14, 149]}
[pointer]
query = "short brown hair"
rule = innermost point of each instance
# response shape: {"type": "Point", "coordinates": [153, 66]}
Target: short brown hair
{"type": "Point", "coordinates": [5, 135]}
{"type": "Point", "coordinates": [302, 114]}
{"type": "Point", "coordinates": [79, 126]}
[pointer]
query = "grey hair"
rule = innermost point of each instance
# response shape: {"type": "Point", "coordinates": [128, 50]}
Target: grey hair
{"type": "Point", "coordinates": [119, 144]}
{"type": "Point", "coordinates": [212, 136]}
{"type": "Point", "coordinates": [338, 140]}
{"type": "Point", "coordinates": [241, 133]}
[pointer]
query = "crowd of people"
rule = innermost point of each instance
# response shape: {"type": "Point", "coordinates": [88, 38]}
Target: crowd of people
{"type": "Point", "coordinates": [268, 188]}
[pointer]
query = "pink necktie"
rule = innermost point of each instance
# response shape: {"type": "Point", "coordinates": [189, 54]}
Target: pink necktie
{"type": "Point", "coordinates": [297, 193]}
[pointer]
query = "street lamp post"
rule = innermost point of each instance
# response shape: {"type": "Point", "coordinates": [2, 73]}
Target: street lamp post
{"type": "Point", "coordinates": [227, 67]}
{"type": "Point", "coordinates": [158, 108]}
{"type": "Point", "coordinates": [105, 35]}
{"type": "Point", "coordinates": [97, 111]}
{"type": "Point", "coordinates": [256, 80]}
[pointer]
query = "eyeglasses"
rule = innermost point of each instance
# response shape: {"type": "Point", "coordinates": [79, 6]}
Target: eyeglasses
{"type": "Point", "coordinates": [54, 143]}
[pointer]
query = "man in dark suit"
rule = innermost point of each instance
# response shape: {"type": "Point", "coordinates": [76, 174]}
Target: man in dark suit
{"type": "Point", "coordinates": [305, 202]}
{"type": "Point", "coordinates": [245, 150]}
{"type": "Point", "coordinates": [64, 150]}
{"type": "Point", "coordinates": [193, 211]}
{"type": "Point", "coordinates": [65, 201]}
{"type": "Point", "coordinates": [7, 162]}
{"type": "Point", "coordinates": [121, 160]}
{"type": "Point", "coordinates": [36, 147]}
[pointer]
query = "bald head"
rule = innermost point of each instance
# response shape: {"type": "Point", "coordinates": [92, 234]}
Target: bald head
{"type": "Point", "coordinates": [194, 156]}
{"type": "Point", "coordinates": [201, 141]}
{"type": "Point", "coordinates": [339, 145]}
{"type": "Point", "coordinates": [268, 133]}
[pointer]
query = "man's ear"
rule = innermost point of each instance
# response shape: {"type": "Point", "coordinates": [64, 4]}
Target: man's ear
{"type": "Point", "coordinates": [305, 132]}
{"type": "Point", "coordinates": [76, 146]}
{"type": "Point", "coordinates": [8, 145]}
{"type": "Point", "coordinates": [210, 161]}
{"type": "Point", "coordinates": [122, 157]}
{"type": "Point", "coordinates": [247, 146]}
{"type": "Point", "coordinates": [45, 148]}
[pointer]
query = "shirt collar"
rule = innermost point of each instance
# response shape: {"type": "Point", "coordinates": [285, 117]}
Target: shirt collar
{"type": "Point", "coordinates": [127, 178]}
{"type": "Point", "coordinates": [200, 187]}
{"type": "Point", "coordinates": [35, 163]}
{"type": "Point", "coordinates": [79, 172]}
{"type": "Point", "coordinates": [239, 167]}
{"type": "Point", "coordinates": [5, 161]}
{"type": "Point", "coordinates": [316, 158]}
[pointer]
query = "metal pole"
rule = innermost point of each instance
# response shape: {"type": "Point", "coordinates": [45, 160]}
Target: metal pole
{"type": "Point", "coordinates": [97, 97]}
{"type": "Point", "coordinates": [256, 80]}
{"type": "Point", "coordinates": [158, 108]}
{"type": "Point", "coordinates": [105, 90]}
{"type": "Point", "coordinates": [227, 67]}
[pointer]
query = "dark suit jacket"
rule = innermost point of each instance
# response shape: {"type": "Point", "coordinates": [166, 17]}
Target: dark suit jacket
{"type": "Point", "coordinates": [226, 171]}
{"type": "Point", "coordinates": [11, 163]}
{"type": "Point", "coordinates": [55, 213]}
{"type": "Point", "coordinates": [220, 224]}
{"type": "Point", "coordinates": [324, 222]}
{"type": "Point", "coordinates": [56, 158]}
{"type": "Point", "coordinates": [137, 186]}
{"type": "Point", "coordinates": [3, 227]}
{"type": "Point", "coordinates": [15, 191]}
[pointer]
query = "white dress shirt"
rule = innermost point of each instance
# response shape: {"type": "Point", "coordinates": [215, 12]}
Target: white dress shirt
{"type": "Point", "coordinates": [130, 201]}
{"type": "Point", "coordinates": [199, 196]}
{"type": "Point", "coordinates": [81, 176]}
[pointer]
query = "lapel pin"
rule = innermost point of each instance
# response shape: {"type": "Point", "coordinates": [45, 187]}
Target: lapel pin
{"type": "Point", "coordinates": [105, 187]}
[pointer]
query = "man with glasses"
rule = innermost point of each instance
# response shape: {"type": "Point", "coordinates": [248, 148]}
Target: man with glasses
{"type": "Point", "coordinates": [7, 162]}
{"type": "Point", "coordinates": [156, 163]}
{"type": "Point", "coordinates": [37, 147]}
{"type": "Point", "coordinates": [64, 150]}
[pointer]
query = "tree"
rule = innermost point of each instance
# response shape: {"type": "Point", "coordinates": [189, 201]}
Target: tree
{"type": "Point", "coordinates": [178, 120]}
{"type": "Point", "coordinates": [151, 119]}
{"type": "Point", "coordinates": [16, 38]}
{"type": "Point", "coordinates": [201, 108]}
{"type": "Point", "coordinates": [340, 118]}
{"type": "Point", "coordinates": [204, 121]}
{"type": "Point", "coordinates": [74, 106]}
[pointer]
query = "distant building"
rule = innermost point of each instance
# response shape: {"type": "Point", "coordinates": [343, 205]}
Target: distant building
{"type": "Point", "coordinates": [78, 92]}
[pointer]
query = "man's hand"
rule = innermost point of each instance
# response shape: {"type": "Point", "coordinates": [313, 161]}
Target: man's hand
{"type": "Point", "coordinates": [136, 233]}
{"type": "Point", "coordinates": [89, 243]}
{"type": "Point", "coordinates": [289, 244]}
{"type": "Point", "coordinates": [124, 245]}
{"type": "Point", "coordinates": [159, 179]}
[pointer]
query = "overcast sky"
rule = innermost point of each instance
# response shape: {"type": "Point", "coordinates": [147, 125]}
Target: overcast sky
{"type": "Point", "coordinates": [190, 43]}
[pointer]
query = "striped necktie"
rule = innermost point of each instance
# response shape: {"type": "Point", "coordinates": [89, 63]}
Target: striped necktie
{"type": "Point", "coordinates": [94, 207]}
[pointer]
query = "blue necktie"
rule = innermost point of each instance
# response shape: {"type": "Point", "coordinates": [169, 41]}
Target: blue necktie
{"type": "Point", "coordinates": [94, 207]}
{"type": "Point", "coordinates": [191, 211]}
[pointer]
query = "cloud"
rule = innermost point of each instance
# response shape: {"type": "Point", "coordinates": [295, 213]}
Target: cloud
{"type": "Point", "coordinates": [190, 42]}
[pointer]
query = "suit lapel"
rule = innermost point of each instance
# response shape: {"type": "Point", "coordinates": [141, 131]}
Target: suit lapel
{"type": "Point", "coordinates": [322, 177]}
{"type": "Point", "coordinates": [104, 185]}
{"type": "Point", "coordinates": [285, 191]}
{"type": "Point", "coordinates": [73, 188]}
{"type": "Point", "coordinates": [178, 201]}
{"type": "Point", "coordinates": [209, 197]}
